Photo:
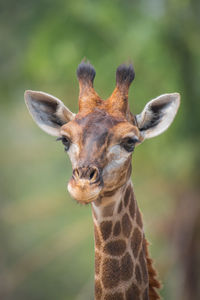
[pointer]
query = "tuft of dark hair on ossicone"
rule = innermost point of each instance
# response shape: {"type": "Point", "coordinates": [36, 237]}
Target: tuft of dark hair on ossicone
{"type": "Point", "coordinates": [125, 74]}
{"type": "Point", "coordinates": [85, 72]}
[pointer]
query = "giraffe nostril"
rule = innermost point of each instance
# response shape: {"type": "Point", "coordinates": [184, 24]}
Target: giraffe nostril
{"type": "Point", "coordinates": [93, 174]}
{"type": "Point", "coordinates": [76, 173]}
{"type": "Point", "coordinates": [89, 173]}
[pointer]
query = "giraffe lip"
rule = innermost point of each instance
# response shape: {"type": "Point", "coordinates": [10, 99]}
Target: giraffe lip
{"type": "Point", "coordinates": [88, 200]}
{"type": "Point", "coordinates": [82, 191]}
{"type": "Point", "coordinates": [84, 200]}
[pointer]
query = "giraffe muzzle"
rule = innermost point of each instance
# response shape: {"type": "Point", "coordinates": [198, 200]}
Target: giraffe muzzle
{"type": "Point", "coordinates": [85, 184]}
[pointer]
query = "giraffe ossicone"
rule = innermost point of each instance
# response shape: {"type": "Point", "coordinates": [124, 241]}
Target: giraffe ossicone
{"type": "Point", "coordinates": [100, 140]}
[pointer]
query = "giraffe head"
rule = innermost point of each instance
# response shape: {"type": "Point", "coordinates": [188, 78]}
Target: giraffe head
{"type": "Point", "coordinates": [101, 137]}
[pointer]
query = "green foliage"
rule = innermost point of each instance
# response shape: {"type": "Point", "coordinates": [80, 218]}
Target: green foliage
{"type": "Point", "coordinates": [46, 239]}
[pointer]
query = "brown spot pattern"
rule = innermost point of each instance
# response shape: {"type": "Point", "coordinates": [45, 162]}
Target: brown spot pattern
{"type": "Point", "coordinates": [117, 228]}
{"type": "Point", "coordinates": [119, 208]}
{"type": "Point", "coordinates": [98, 290]}
{"type": "Point", "coordinates": [132, 207]}
{"type": "Point", "coordinates": [115, 247]}
{"type": "Point", "coordinates": [111, 273]}
{"type": "Point", "coordinates": [133, 293]}
{"type": "Point", "coordinates": [106, 228]}
{"type": "Point", "coordinates": [127, 195]}
{"type": "Point", "coordinates": [143, 266]}
{"type": "Point", "coordinates": [108, 210]}
{"type": "Point", "coordinates": [115, 296]}
{"type": "Point", "coordinates": [139, 218]}
{"type": "Point", "coordinates": [136, 241]}
{"type": "Point", "coordinates": [126, 267]}
{"type": "Point", "coordinates": [126, 225]}
{"type": "Point", "coordinates": [138, 274]}
{"type": "Point", "coordinates": [97, 263]}
{"type": "Point", "coordinates": [97, 238]}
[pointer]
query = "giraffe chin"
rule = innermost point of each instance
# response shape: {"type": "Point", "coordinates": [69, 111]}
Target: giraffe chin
{"type": "Point", "coordinates": [83, 192]}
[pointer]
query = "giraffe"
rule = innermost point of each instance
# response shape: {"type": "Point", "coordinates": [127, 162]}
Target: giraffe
{"type": "Point", "coordinates": [100, 140]}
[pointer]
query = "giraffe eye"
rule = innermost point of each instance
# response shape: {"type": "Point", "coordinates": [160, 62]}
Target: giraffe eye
{"type": "Point", "coordinates": [66, 142]}
{"type": "Point", "coordinates": [129, 144]}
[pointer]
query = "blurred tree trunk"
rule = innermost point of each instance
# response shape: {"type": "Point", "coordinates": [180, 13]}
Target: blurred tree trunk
{"type": "Point", "coordinates": [183, 27]}
{"type": "Point", "coordinates": [186, 229]}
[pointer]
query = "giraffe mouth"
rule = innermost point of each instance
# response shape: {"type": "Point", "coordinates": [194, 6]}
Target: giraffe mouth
{"type": "Point", "coordinates": [83, 191]}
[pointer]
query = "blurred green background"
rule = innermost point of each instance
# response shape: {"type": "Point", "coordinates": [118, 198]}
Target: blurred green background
{"type": "Point", "coordinates": [46, 239]}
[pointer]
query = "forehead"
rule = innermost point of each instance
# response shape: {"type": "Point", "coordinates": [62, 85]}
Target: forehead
{"type": "Point", "coordinates": [98, 124]}
{"type": "Point", "coordinates": [97, 120]}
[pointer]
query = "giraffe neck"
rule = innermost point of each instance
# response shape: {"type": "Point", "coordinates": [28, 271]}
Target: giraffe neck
{"type": "Point", "coordinates": [121, 270]}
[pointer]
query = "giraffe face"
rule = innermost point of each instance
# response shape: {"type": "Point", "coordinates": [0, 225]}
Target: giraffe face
{"type": "Point", "coordinates": [100, 147]}
{"type": "Point", "coordinates": [100, 139]}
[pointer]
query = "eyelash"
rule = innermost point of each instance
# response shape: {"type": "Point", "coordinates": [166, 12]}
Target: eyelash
{"type": "Point", "coordinates": [66, 142]}
{"type": "Point", "coordinates": [129, 144]}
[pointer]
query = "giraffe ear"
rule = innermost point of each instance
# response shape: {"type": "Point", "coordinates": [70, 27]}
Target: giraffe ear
{"type": "Point", "coordinates": [158, 115]}
{"type": "Point", "coordinates": [47, 111]}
